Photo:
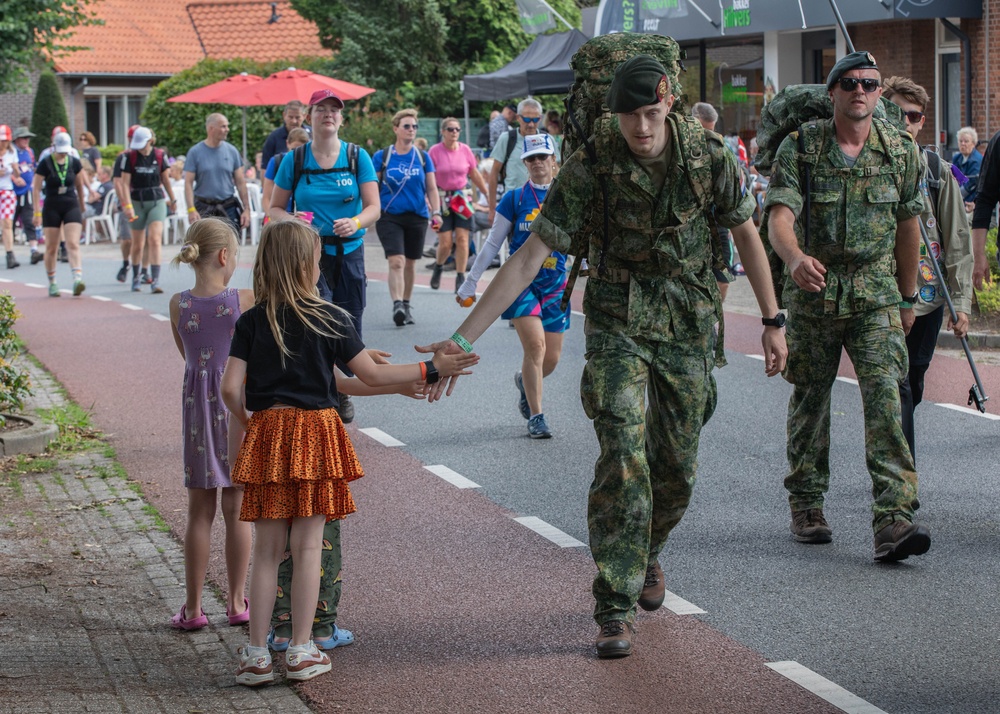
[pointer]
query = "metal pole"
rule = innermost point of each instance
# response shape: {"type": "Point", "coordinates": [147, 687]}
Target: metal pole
{"type": "Point", "coordinates": [977, 394]}
{"type": "Point", "coordinates": [553, 11]}
{"type": "Point", "coordinates": [843, 27]}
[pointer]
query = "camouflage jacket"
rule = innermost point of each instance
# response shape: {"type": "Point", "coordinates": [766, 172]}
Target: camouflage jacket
{"type": "Point", "coordinates": [660, 284]}
{"type": "Point", "coordinates": [854, 213]}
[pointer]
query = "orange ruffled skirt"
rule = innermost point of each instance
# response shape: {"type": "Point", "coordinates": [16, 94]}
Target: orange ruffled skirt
{"type": "Point", "coordinates": [296, 463]}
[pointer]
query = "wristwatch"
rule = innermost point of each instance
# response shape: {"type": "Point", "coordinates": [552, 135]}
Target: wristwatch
{"type": "Point", "coordinates": [776, 321]}
{"type": "Point", "coordinates": [910, 301]}
{"type": "Point", "coordinates": [432, 373]}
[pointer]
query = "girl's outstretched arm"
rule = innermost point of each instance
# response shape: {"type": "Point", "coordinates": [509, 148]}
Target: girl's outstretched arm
{"type": "Point", "coordinates": [356, 388]}
{"type": "Point", "coordinates": [383, 375]}
{"type": "Point", "coordinates": [233, 380]}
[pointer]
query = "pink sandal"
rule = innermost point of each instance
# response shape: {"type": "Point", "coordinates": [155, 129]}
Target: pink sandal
{"type": "Point", "coordinates": [242, 617]}
{"type": "Point", "coordinates": [181, 622]}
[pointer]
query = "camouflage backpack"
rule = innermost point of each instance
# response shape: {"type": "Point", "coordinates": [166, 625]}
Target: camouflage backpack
{"type": "Point", "coordinates": [589, 123]}
{"type": "Point", "coordinates": [794, 111]}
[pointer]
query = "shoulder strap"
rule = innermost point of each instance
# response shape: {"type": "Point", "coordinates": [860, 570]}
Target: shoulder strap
{"type": "Point", "coordinates": [352, 158]}
{"type": "Point", "coordinates": [133, 159]}
{"type": "Point", "coordinates": [385, 164]}
{"type": "Point", "coordinates": [298, 161]}
{"type": "Point", "coordinates": [511, 138]}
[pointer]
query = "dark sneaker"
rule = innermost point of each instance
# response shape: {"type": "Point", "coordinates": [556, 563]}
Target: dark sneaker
{"type": "Point", "coordinates": [653, 589]}
{"type": "Point", "coordinates": [12, 262]}
{"type": "Point", "coordinates": [63, 255]}
{"type": "Point", "coordinates": [537, 428]}
{"type": "Point", "coordinates": [809, 526]}
{"type": "Point", "coordinates": [122, 274]}
{"type": "Point", "coordinates": [37, 257]}
{"type": "Point", "coordinates": [459, 279]}
{"type": "Point", "coordinates": [409, 315]}
{"type": "Point", "coordinates": [145, 279]}
{"type": "Point", "coordinates": [436, 277]}
{"type": "Point", "coordinates": [522, 403]}
{"type": "Point", "coordinates": [901, 539]}
{"type": "Point", "coordinates": [346, 408]}
{"type": "Point", "coordinates": [155, 288]}
{"type": "Point", "coordinates": [398, 313]}
{"type": "Point", "coordinates": [615, 639]}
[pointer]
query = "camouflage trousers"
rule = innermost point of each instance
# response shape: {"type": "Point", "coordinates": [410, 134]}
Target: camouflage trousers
{"type": "Point", "coordinates": [875, 343]}
{"type": "Point", "coordinates": [329, 587]}
{"type": "Point", "coordinates": [646, 470]}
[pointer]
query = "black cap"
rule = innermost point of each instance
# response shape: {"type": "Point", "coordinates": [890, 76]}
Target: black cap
{"type": "Point", "coordinates": [855, 60]}
{"type": "Point", "coordinates": [638, 82]}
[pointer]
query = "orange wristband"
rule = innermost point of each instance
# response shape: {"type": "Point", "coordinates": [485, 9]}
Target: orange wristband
{"type": "Point", "coordinates": [423, 371]}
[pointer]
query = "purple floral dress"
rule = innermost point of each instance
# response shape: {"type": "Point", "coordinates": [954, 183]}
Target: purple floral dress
{"type": "Point", "coordinates": [206, 328]}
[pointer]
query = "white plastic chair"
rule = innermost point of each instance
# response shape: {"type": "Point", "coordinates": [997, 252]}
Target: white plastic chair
{"type": "Point", "coordinates": [177, 222]}
{"type": "Point", "coordinates": [108, 218]}
{"type": "Point", "coordinates": [256, 212]}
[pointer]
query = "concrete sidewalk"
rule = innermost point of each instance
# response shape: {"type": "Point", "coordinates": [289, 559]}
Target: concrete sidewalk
{"type": "Point", "coordinates": [89, 578]}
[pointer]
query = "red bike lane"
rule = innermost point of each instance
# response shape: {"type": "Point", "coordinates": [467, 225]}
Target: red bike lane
{"type": "Point", "coordinates": [455, 606]}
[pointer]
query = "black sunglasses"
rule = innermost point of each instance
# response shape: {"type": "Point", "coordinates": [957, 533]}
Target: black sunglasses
{"type": "Point", "coordinates": [452, 128]}
{"type": "Point", "coordinates": [913, 117]}
{"type": "Point", "coordinates": [849, 84]}
{"type": "Point", "coordinates": [408, 126]}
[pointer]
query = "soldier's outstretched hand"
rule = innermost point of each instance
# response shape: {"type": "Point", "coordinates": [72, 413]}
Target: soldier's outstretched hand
{"type": "Point", "coordinates": [807, 272]}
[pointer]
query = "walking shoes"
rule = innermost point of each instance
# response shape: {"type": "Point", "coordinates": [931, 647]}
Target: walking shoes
{"type": "Point", "coordinates": [255, 668]}
{"type": "Point", "coordinates": [615, 639]}
{"type": "Point", "coordinates": [653, 589]}
{"type": "Point", "coordinates": [304, 662]}
{"type": "Point", "coordinates": [809, 526]}
{"type": "Point", "coordinates": [901, 539]}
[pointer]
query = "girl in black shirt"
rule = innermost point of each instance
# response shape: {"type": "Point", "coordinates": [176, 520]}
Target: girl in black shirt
{"type": "Point", "coordinates": [63, 211]}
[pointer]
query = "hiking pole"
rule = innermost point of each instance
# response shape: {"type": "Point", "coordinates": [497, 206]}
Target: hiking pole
{"type": "Point", "coordinates": [843, 27]}
{"type": "Point", "coordinates": [977, 394]}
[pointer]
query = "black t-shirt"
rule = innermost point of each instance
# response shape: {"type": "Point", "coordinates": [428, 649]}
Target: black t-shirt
{"type": "Point", "coordinates": [48, 171]}
{"type": "Point", "coordinates": [307, 382]}
{"type": "Point", "coordinates": [145, 174]}
{"type": "Point", "coordinates": [120, 161]}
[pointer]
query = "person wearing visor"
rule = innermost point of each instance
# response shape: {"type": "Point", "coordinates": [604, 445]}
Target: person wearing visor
{"type": "Point", "coordinates": [647, 384]}
{"type": "Point", "coordinates": [851, 287]}
{"type": "Point", "coordinates": [536, 313]}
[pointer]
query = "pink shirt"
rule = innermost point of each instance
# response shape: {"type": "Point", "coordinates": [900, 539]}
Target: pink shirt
{"type": "Point", "coordinates": [452, 167]}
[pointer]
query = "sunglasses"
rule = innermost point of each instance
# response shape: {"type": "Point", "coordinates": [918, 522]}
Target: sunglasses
{"type": "Point", "coordinates": [849, 84]}
{"type": "Point", "coordinates": [408, 126]}
{"type": "Point", "coordinates": [913, 117]}
{"type": "Point", "coordinates": [530, 120]}
{"type": "Point", "coordinates": [452, 128]}
{"type": "Point", "coordinates": [536, 157]}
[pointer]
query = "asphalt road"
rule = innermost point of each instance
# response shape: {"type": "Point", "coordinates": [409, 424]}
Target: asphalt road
{"type": "Point", "coordinates": [920, 636]}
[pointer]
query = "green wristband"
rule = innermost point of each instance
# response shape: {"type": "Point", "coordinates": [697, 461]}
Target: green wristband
{"type": "Point", "coordinates": [905, 305]}
{"type": "Point", "coordinates": [462, 342]}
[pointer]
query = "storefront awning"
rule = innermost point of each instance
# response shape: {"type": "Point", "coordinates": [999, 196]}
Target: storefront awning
{"type": "Point", "coordinates": [698, 19]}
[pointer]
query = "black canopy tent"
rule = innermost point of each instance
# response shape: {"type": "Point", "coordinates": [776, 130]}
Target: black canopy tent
{"type": "Point", "coordinates": [543, 68]}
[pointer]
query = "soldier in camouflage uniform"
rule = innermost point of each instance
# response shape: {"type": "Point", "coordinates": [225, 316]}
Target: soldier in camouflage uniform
{"type": "Point", "coordinates": [842, 294]}
{"type": "Point", "coordinates": [650, 311]}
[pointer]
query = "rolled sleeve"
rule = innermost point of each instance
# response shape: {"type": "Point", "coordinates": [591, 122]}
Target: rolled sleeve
{"type": "Point", "coordinates": [911, 200]}
{"type": "Point", "coordinates": [784, 189]}
{"type": "Point", "coordinates": [566, 208]}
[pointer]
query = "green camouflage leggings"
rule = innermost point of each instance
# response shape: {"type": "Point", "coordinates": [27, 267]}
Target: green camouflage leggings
{"type": "Point", "coordinates": [875, 343]}
{"type": "Point", "coordinates": [646, 470]}
{"type": "Point", "coordinates": [329, 588]}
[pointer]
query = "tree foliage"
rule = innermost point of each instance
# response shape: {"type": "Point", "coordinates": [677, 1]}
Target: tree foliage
{"type": "Point", "coordinates": [48, 111]}
{"type": "Point", "coordinates": [416, 51]}
{"type": "Point", "coordinates": [33, 29]}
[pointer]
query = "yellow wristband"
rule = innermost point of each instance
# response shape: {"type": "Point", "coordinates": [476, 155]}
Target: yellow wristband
{"type": "Point", "coordinates": [190, 209]}
{"type": "Point", "coordinates": [38, 213]}
{"type": "Point", "coordinates": [358, 222]}
{"type": "Point", "coordinates": [128, 205]}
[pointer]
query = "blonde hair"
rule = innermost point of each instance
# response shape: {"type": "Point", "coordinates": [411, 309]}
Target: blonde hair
{"type": "Point", "coordinates": [398, 116]}
{"type": "Point", "coordinates": [283, 278]}
{"type": "Point", "coordinates": [205, 238]}
{"type": "Point", "coordinates": [298, 134]}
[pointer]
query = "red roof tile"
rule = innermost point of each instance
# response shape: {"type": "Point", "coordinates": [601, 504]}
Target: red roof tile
{"type": "Point", "coordinates": [162, 37]}
{"type": "Point", "coordinates": [229, 30]}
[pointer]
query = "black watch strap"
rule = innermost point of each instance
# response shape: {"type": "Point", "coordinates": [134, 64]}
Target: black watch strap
{"type": "Point", "coordinates": [432, 373]}
{"type": "Point", "coordinates": [776, 321]}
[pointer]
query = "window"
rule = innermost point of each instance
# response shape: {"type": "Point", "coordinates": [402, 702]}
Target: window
{"type": "Point", "coordinates": [110, 112]}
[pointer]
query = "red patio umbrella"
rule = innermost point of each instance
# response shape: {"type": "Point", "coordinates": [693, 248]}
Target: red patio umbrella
{"type": "Point", "coordinates": [231, 90]}
{"type": "Point", "coordinates": [288, 84]}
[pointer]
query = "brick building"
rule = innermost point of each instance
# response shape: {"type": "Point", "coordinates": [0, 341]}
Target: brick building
{"type": "Point", "coordinates": [143, 42]}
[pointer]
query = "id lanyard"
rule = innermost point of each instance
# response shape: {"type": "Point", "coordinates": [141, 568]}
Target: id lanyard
{"type": "Point", "coordinates": [61, 175]}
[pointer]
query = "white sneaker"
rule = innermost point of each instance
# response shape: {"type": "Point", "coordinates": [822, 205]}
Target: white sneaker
{"type": "Point", "coordinates": [255, 667]}
{"type": "Point", "coordinates": [304, 662]}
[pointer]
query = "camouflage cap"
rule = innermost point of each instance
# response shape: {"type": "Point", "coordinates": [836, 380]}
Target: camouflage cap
{"type": "Point", "coordinates": [855, 60]}
{"type": "Point", "coordinates": [638, 82]}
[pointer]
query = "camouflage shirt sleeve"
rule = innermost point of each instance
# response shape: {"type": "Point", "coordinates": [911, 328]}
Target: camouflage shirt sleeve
{"type": "Point", "coordinates": [911, 200]}
{"type": "Point", "coordinates": [784, 187]}
{"type": "Point", "coordinates": [567, 206]}
{"type": "Point", "coordinates": [734, 204]}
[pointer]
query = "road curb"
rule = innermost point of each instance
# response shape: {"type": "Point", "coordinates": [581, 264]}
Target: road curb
{"type": "Point", "coordinates": [31, 440]}
{"type": "Point", "coordinates": [947, 340]}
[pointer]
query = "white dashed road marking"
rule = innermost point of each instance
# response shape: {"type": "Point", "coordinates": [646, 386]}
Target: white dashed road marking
{"type": "Point", "coordinates": [848, 380]}
{"type": "Point", "coordinates": [381, 437]}
{"type": "Point", "coordinates": [680, 606]}
{"type": "Point", "coordinates": [100, 298]}
{"type": "Point", "coordinates": [130, 306]}
{"type": "Point", "coordinates": [161, 318]}
{"type": "Point", "coordinates": [824, 688]}
{"type": "Point", "coordinates": [549, 532]}
{"type": "Point", "coordinates": [33, 285]}
{"type": "Point", "coordinates": [967, 410]}
{"type": "Point", "coordinates": [454, 478]}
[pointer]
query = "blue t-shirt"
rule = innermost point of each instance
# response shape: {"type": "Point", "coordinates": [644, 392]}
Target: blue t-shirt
{"type": "Point", "coordinates": [329, 196]}
{"type": "Point", "coordinates": [271, 171]}
{"type": "Point", "coordinates": [26, 165]}
{"type": "Point", "coordinates": [520, 207]}
{"type": "Point", "coordinates": [404, 184]}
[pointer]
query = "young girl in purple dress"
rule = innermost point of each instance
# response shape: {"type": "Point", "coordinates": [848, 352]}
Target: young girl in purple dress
{"type": "Point", "coordinates": [203, 319]}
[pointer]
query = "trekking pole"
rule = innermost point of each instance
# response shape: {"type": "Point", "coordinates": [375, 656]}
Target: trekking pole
{"type": "Point", "coordinates": [843, 27]}
{"type": "Point", "coordinates": [977, 394]}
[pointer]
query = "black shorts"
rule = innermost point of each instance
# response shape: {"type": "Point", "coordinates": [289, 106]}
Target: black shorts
{"type": "Point", "coordinates": [59, 210]}
{"type": "Point", "coordinates": [402, 234]}
{"type": "Point", "coordinates": [25, 212]}
{"type": "Point", "coordinates": [453, 221]}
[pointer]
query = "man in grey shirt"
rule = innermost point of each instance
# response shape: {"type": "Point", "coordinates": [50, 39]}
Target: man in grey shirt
{"type": "Point", "coordinates": [508, 171]}
{"type": "Point", "coordinates": [213, 175]}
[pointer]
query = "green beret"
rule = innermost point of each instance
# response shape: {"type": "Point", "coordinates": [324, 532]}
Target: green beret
{"type": "Point", "coordinates": [638, 82]}
{"type": "Point", "coordinates": [855, 60]}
